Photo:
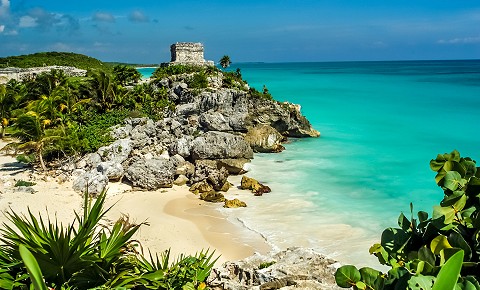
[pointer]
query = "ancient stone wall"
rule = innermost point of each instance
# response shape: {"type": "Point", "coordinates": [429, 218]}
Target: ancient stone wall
{"type": "Point", "coordinates": [189, 53]}
{"type": "Point", "coordinates": [21, 74]}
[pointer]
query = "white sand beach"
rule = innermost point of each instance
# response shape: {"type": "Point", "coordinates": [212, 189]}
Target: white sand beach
{"type": "Point", "coordinates": [177, 218]}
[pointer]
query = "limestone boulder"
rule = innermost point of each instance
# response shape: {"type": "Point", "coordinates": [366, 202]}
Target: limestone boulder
{"type": "Point", "coordinates": [181, 180]}
{"type": "Point", "coordinates": [214, 121]}
{"type": "Point", "coordinates": [293, 268]}
{"type": "Point", "coordinates": [234, 166]}
{"type": "Point", "coordinates": [220, 145]}
{"type": "Point", "coordinates": [89, 161]}
{"type": "Point", "coordinates": [216, 177]}
{"type": "Point", "coordinates": [111, 169]}
{"type": "Point", "coordinates": [234, 203]}
{"type": "Point", "coordinates": [91, 182]}
{"type": "Point", "coordinates": [264, 138]}
{"type": "Point", "coordinates": [182, 146]}
{"type": "Point", "coordinates": [151, 174]}
{"type": "Point", "coordinates": [117, 152]}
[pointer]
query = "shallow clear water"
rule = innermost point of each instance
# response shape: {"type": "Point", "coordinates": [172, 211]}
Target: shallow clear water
{"type": "Point", "coordinates": [146, 71]}
{"type": "Point", "coordinates": [381, 123]}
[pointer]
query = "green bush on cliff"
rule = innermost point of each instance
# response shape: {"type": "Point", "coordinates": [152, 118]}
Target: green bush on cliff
{"type": "Point", "coordinates": [165, 71]}
{"type": "Point", "coordinates": [422, 246]}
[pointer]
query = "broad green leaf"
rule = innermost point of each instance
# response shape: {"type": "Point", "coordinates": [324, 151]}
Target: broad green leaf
{"type": "Point", "coordinates": [425, 254]}
{"type": "Point", "coordinates": [369, 276]}
{"type": "Point", "coordinates": [470, 167]}
{"type": "Point", "coordinates": [455, 166]}
{"type": "Point", "coordinates": [32, 268]}
{"type": "Point", "coordinates": [394, 239]}
{"type": "Point", "coordinates": [453, 180]}
{"type": "Point", "coordinates": [456, 240]}
{"type": "Point", "coordinates": [439, 178]}
{"type": "Point", "coordinates": [447, 212]}
{"type": "Point", "coordinates": [436, 164]}
{"type": "Point", "coordinates": [438, 244]}
{"type": "Point", "coordinates": [421, 282]}
{"type": "Point", "coordinates": [380, 253]}
{"type": "Point", "coordinates": [448, 275]}
{"type": "Point", "coordinates": [361, 285]}
{"type": "Point", "coordinates": [422, 216]}
{"type": "Point", "coordinates": [404, 223]}
{"type": "Point", "coordinates": [347, 276]}
{"type": "Point", "coordinates": [452, 198]}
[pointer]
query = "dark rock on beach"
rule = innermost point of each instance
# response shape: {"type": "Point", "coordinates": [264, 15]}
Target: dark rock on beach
{"type": "Point", "coordinates": [252, 184]}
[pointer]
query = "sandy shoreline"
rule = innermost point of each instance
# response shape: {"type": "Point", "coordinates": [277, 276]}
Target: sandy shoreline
{"type": "Point", "coordinates": [177, 218]}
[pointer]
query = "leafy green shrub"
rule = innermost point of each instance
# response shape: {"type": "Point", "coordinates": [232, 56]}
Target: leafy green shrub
{"type": "Point", "coordinates": [95, 133]}
{"type": "Point", "coordinates": [26, 158]}
{"type": "Point", "coordinates": [24, 183]}
{"type": "Point", "coordinates": [261, 95]}
{"type": "Point", "coordinates": [422, 246]}
{"type": "Point", "coordinates": [233, 80]}
{"type": "Point", "coordinates": [266, 264]}
{"type": "Point", "coordinates": [198, 81]}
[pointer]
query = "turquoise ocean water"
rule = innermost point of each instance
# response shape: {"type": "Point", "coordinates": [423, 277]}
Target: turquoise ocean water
{"type": "Point", "coordinates": [381, 123]}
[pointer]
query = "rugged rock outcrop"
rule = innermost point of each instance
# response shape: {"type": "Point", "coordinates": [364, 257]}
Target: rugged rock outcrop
{"type": "Point", "coordinates": [264, 138]}
{"type": "Point", "coordinates": [217, 125]}
{"type": "Point", "coordinates": [294, 268]}
{"type": "Point", "coordinates": [220, 145]}
{"type": "Point", "coordinates": [151, 174]}
{"type": "Point", "coordinates": [91, 182]}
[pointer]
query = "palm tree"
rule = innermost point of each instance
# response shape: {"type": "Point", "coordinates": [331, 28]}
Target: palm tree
{"type": "Point", "coordinates": [31, 130]}
{"type": "Point", "coordinates": [225, 61]}
{"type": "Point", "coordinates": [102, 89]}
{"type": "Point", "coordinates": [126, 74]}
{"type": "Point", "coordinates": [6, 103]}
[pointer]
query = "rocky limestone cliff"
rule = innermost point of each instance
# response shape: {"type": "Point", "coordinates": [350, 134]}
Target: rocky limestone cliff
{"type": "Point", "coordinates": [219, 125]}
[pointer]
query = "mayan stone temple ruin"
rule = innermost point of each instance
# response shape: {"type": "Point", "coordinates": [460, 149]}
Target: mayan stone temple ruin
{"type": "Point", "coordinates": [188, 53]}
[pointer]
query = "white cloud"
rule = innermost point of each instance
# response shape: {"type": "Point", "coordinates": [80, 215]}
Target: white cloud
{"type": "Point", "coordinates": [137, 16]}
{"type": "Point", "coordinates": [103, 17]}
{"type": "Point", "coordinates": [461, 40]}
{"type": "Point", "coordinates": [27, 21]}
{"type": "Point", "coordinates": [4, 8]}
{"type": "Point", "coordinates": [2, 28]}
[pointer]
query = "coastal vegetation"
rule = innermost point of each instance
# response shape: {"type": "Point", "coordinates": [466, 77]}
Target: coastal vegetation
{"type": "Point", "coordinates": [225, 61]}
{"type": "Point", "coordinates": [52, 115]}
{"type": "Point", "coordinates": [86, 254]}
{"type": "Point", "coordinates": [424, 249]}
{"type": "Point", "coordinates": [55, 58]}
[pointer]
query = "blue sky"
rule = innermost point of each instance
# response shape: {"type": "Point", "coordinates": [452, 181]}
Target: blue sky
{"type": "Point", "coordinates": [269, 31]}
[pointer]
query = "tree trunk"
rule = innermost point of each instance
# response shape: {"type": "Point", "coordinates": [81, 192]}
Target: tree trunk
{"type": "Point", "coordinates": [40, 157]}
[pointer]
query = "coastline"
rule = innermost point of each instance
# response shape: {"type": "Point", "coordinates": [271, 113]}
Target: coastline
{"type": "Point", "coordinates": [177, 218]}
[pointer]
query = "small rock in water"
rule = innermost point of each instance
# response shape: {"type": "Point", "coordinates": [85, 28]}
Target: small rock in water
{"type": "Point", "coordinates": [234, 203]}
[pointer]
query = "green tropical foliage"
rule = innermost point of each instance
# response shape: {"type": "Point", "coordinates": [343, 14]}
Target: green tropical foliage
{"type": "Point", "coordinates": [126, 74]}
{"type": "Point", "coordinates": [54, 58]}
{"type": "Point", "coordinates": [87, 255]}
{"type": "Point", "coordinates": [225, 61]}
{"type": "Point", "coordinates": [422, 246]}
